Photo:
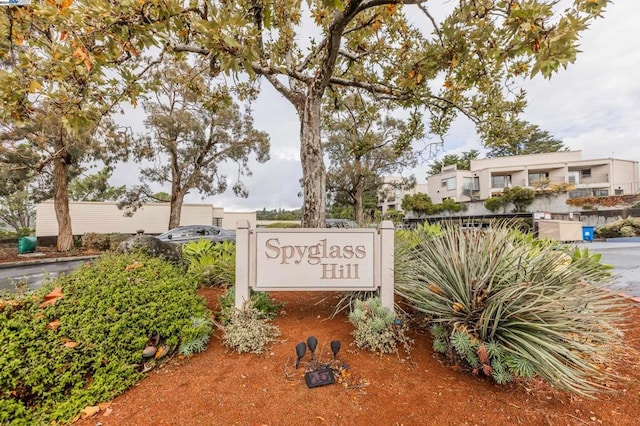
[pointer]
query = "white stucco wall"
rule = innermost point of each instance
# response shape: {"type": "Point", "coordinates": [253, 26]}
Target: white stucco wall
{"type": "Point", "coordinates": [153, 218]}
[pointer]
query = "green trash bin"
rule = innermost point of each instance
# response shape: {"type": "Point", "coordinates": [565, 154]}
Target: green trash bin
{"type": "Point", "coordinates": [27, 244]}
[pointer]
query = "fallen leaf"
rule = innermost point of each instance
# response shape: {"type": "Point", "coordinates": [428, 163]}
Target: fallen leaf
{"type": "Point", "coordinates": [90, 411]}
{"type": "Point", "coordinates": [70, 344]}
{"type": "Point", "coordinates": [54, 325]}
{"type": "Point", "coordinates": [34, 86]}
{"type": "Point", "coordinates": [52, 298]}
{"type": "Point", "coordinates": [104, 405]}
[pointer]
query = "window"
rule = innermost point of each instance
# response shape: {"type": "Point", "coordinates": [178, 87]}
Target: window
{"type": "Point", "coordinates": [585, 173]}
{"type": "Point", "coordinates": [501, 181]}
{"type": "Point", "coordinates": [449, 183]}
{"type": "Point", "coordinates": [573, 177]}
{"type": "Point", "coordinates": [600, 192]}
{"type": "Point", "coordinates": [536, 177]}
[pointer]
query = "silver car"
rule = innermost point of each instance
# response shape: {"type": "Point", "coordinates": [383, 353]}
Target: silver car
{"type": "Point", "coordinates": [184, 234]}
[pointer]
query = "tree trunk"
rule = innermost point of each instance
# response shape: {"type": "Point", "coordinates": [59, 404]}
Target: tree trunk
{"type": "Point", "coordinates": [177, 198]}
{"type": "Point", "coordinates": [314, 175]}
{"type": "Point", "coordinates": [61, 204]}
{"type": "Point", "coordinates": [358, 202]}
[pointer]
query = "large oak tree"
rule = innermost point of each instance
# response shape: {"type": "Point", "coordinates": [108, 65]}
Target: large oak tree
{"type": "Point", "coordinates": [474, 54]}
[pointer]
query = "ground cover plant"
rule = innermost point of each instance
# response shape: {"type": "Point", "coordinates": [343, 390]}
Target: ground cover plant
{"type": "Point", "coordinates": [80, 339]}
{"type": "Point", "coordinates": [377, 328]}
{"type": "Point", "coordinates": [510, 307]}
{"type": "Point", "coordinates": [211, 264]}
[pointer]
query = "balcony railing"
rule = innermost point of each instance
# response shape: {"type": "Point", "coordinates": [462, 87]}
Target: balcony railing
{"type": "Point", "coordinates": [585, 180]}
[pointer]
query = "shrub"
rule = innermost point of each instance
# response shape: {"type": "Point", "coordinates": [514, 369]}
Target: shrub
{"type": "Point", "coordinates": [620, 228]}
{"type": "Point", "coordinates": [248, 331]}
{"type": "Point", "coordinates": [348, 299]}
{"type": "Point", "coordinates": [211, 264]}
{"type": "Point", "coordinates": [103, 242]}
{"type": "Point", "coordinates": [512, 308]}
{"type": "Point", "coordinates": [94, 241]}
{"type": "Point", "coordinates": [260, 300]}
{"type": "Point", "coordinates": [376, 327]}
{"type": "Point", "coordinates": [116, 239]}
{"type": "Point", "coordinates": [85, 344]}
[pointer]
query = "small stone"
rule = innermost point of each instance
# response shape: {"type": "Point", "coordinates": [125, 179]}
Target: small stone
{"type": "Point", "coordinates": [149, 351]}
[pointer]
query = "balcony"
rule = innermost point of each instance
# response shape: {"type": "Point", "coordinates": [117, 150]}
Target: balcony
{"type": "Point", "coordinates": [588, 180]}
{"type": "Point", "coordinates": [589, 192]}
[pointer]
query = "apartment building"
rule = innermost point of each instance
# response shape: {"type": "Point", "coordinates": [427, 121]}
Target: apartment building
{"type": "Point", "coordinates": [489, 176]}
{"type": "Point", "coordinates": [390, 195]}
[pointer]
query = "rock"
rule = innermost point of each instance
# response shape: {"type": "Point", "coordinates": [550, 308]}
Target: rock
{"type": "Point", "coordinates": [153, 247]}
{"type": "Point", "coordinates": [149, 351]}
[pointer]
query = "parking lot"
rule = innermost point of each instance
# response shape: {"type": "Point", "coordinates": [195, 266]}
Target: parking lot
{"type": "Point", "coordinates": [625, 258]}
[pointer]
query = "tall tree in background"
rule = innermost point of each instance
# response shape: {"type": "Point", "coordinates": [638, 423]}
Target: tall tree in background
{"type": "Point", "coordinates": [194, 127]}
{"type": "Point", "coordinates": [54, 87]}
{"type": "Point", "coordinates": [462, 161]}
{"type": "Point", "coordinates": [526, 139]}
{"type": "Point", "coordinates": [95, 187]}
{"type": "Point", "coordinates": [363, 145]}
{"type": "Point", "coordinates": [17, 210]}
{"type": "Point", "coordinates": [370, 45]}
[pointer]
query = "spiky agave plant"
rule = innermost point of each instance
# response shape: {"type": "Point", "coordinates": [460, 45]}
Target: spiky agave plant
{"type": "Point", "coordinates": [508, 307]}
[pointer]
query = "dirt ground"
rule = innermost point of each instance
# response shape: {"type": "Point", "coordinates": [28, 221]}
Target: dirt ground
{"type": "Point", "coordinates": [218, 387]}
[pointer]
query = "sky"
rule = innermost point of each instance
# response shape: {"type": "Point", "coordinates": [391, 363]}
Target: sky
{"type": "Point", "coordinates": [592, 106]}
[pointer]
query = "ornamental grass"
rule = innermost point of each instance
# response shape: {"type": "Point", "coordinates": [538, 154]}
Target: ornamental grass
{"type": "Point", "coordinates": [511, 307]}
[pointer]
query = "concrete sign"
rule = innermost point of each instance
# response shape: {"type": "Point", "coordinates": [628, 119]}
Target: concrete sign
{"type": "Point", "coordinates": [314, 260]}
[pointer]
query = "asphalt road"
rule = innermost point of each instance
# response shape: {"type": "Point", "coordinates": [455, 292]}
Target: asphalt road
{"type": "Point", "coordinates": [34, 275]}
{"type": "Point", "coordinates": [625, 258]}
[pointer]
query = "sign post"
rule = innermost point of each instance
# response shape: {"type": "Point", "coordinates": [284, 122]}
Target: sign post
{"type": "Point", "coordinates": [314, 260]}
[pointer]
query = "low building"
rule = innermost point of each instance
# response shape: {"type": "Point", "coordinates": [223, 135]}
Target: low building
{"type": "Point", "coordinates": [153, 218]}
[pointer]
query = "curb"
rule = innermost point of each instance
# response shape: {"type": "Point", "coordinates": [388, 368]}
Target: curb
{"type": "Point", "coordinates": [629, 297]}
{"type": "Point", "coordinates": [8, 265]}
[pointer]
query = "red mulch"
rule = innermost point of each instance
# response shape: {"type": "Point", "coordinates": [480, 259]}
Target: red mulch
{"type": "Point", "coordinates": [219, 387]}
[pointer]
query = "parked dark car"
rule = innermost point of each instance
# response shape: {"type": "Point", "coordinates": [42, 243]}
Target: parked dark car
{"type": "Point", "coordinates": [340, 223]}
{"type": "Point", "coordinates": [184, 234]}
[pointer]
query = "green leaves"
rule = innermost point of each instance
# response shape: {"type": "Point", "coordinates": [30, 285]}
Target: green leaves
{"type": "Point", "coordinates": [109, 310]}
{"type": "Point", "coordinates": [211, 264]}
{"type": "Point", "coordinates": [526, 311]}
{"type": "Point", "coordinates": [376, 328]}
